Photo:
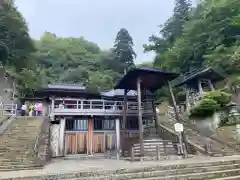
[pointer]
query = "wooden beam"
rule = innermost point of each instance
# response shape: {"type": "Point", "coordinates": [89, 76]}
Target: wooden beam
{"type": "Point", "coordinates": [177, 117]}
{"type": "Point", "coordinates": [118, 137]}
{"type": "Point", "coordinates": [124, 110]}
{"type": "Point", "coordinates": [187, 98]}
{"type": "Point", "coordinates": [154, 112]}
{"type": "Point", "coordinates": [140, 121]}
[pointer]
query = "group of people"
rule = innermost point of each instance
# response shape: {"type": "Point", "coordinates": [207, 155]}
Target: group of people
{"type": "Point", "coordinates": [32, 109]}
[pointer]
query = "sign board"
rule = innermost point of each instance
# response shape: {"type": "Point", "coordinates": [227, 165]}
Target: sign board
{"type": "Point", "coordinates": [178, 127]}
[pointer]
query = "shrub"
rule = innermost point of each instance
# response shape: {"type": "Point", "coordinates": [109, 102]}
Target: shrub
{"type": "Point", "coordinates": [210, 103]}
{"type": "Point", "coordinates": [222, 98]}
{"type": "Point", "coordinates": [205, 108]}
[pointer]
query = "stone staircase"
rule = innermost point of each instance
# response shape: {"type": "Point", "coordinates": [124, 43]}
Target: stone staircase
{"type": "Point", "coordinates": [203, 143]}
{"type": "Point", "coordinates": [18, 148]}
{"type": "Point", "coordinates": [191, 170]}
{"type": "Point", "coordinates": [154, 147]}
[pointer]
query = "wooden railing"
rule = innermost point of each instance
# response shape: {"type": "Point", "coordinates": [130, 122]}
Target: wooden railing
{"type": "Point", "coordinates": [88, 106]}
{"type": "Point", "coordinates": [8, 109]}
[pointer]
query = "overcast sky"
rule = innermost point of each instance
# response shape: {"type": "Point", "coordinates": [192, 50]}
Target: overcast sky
{"type": "Point", "coordinates": [97, 20]}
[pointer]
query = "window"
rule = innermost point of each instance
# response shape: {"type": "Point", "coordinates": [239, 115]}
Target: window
{"type": "Point", "coordinates": [76, 125]}
{"type": "Point", "coordinates": [98, 124]}
{"type": "Point", "coordinates": [109, 124]}
{"type": "Point", "coordinates": [104, 124]}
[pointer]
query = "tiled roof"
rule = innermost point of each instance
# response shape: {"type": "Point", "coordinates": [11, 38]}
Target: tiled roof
{"type": "Point", "coordinates": [118, 92]}
{"type": "Point", "coordinates": [66, 86]}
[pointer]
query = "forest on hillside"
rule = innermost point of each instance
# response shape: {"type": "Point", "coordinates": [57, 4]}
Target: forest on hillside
{"type": "Point", "coordinates": [196, 36]}
{"type": "Point", "coordinates": [53, 59]}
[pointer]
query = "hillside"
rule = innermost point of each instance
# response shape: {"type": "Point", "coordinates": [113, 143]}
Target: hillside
{"type": "Point", "coordinates": [34, 63]}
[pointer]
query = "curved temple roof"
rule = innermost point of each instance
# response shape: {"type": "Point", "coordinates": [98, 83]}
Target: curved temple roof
{"type": "Point", "coordinates": [151, 79]}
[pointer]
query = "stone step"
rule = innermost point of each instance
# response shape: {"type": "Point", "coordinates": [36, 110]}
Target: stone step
{"type": "Point", "coordinates": [17, 143]}
{"type": "Point", "coordinates": [228, 178]}
{"type": "Point", "coordinates": [199, 174]}
{"type": "Point", "coordinates": [200, 169]}
{"type": "Point", "coordinates": [20, 167]}
{"type": "Point", "coordinates": [153, 145]}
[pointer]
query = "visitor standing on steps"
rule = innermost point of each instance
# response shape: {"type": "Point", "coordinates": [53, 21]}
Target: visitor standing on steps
{"type": "Point", "coordinates": [31, 110]}
{"type": "Point", "coordinates": [36, 109]}
{"type": "Point", "coordinates": [23, 110]}
{"type": "Point", "coordinates": [40, 109]}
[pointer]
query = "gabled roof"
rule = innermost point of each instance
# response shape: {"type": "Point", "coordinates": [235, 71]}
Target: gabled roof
{"type": "Point", "coordinates": [192, 77]}
{"type": "Point", "coordinates": [151, 79]}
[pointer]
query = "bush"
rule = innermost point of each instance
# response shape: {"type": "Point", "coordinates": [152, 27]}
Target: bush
{"type": "Point", "coordinates": [210, 103]}
{"type": "Point", "coordinates": [205, 108]}
{"type": "Point", "coordinates": [222, 98]}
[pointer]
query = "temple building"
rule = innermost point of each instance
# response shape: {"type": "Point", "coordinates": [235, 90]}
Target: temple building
{"type": "Point", "coordinates": [90, 123]}
{"type": "Point", "coordinates": [197, 83]}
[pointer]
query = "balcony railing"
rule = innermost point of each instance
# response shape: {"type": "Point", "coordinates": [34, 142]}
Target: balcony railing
{"type": "Point", "coordinates": [93, 107]}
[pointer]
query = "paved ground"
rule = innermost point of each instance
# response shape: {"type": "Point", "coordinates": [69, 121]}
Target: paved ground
{"type": "Point", "coordinates": [59, 166]}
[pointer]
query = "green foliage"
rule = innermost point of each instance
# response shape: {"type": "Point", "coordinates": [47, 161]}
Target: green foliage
{"type": "Point", "coordinates": [123, 50]}
{"type": "Point", "coordinates": [222, 98]}
{"type": "Point", "coordinates": [76, 60]}
{"type": "Point", "coordinates": [211, 102]}
{"type": "Point", "coordinates": [34, 63]}
{"type": "Point", "coordinates": [208, 35]}
{"type": "Point", "coordinates": [205, 108]}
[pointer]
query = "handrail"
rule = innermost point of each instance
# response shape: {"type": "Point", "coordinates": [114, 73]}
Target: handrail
{"type": "Point", "coordinates": [99, 104]}
{"type": "Point", "coordinates": [185, 76]}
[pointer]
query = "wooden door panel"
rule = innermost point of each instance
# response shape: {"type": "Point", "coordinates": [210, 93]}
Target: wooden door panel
{"type": "Point", "coordinates": [110, 142]}
{"type": "Point", "coordinates": [71, 143]}
{"type": "Point", "coordinates": [98, 143]}
{"type": "Point", "coordinates": [81, 143]}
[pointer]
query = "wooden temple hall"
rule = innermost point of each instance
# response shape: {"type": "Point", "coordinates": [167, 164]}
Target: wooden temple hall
{"type": "Point", "coordinates": [91, 123]}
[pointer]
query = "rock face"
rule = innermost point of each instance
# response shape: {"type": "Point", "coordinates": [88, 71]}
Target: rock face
{"type": "Point", "coordinates": [209, 124]}
{"type": "Point", "coordinates": [24, 144]}
{"type": "Point", "coordinates": [6, 87]}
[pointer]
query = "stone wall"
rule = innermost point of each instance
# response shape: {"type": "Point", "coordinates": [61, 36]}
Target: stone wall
{"type": "Point", "coordinates": [6, 87]}
{"type": "Point", "coordinates": [43, 150]}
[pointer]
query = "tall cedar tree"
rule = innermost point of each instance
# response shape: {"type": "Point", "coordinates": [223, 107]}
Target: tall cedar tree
{"type": "Point", "coordinates": [123, 50]}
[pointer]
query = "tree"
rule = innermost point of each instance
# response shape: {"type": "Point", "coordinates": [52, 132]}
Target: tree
{"type": "Point", "coordinates": [123, 50]}
{"type": "Point", "coordinates": [212, 27]}
{"type": "Point", "coordinates": [14, 37]}
{"type": "Point", "coordinates": [171, 29]}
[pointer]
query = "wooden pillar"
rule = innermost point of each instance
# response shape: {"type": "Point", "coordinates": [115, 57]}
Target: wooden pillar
{"type": "Point", "coordinates": [177, 117]}
{"type": "Point", "coordinates": [124, 111]}
{"type": "Point", "coordinates": [51, 113]}
{"type": "Point", "coordinates": [187, 98]}
{"type": "Point", "coordinates": [61, 137]}
{"type": "Point", "coordinates": [154, 112]}
{"type": "Point", "coordinates": [90, 136]}
{"type": "Point", "coordinates": [140, 121]}
{"type": "Point", "coordinates": [210, 85]}
{"type": "Point", "coordinates": [118, 137]}
{"type": "Point", "coordinates": [200, 89]}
